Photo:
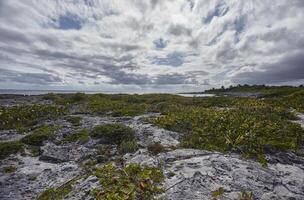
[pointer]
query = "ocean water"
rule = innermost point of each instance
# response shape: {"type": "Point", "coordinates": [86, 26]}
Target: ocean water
{"type": "Point", "coordinates": [197, 95]}
{"type": "Point", "coordinates": [39, 92]}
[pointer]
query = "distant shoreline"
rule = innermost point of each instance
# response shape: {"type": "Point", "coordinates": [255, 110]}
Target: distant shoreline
{"type": "Point", "coordinates": [43, 92]}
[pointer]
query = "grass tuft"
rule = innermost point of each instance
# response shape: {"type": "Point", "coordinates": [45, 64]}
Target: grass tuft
{"type": "Point", "coordinates": [81, 137]}
{"type": "Point", "coordinates": [39, 135]}
{"type": "Point", "coordinates": [132, 182]}
{"type": "Point", "coordinates": [8, 148]}
{"type": "Point", "coordinates": [113, 133]}
{"type": "Point", "coordinates": [9, 169]}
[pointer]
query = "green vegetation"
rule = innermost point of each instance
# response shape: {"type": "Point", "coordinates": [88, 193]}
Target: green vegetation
{"type": "Point", "coordinates": [250, 126]}
{"type": "Point", "coordinates": [74, 120]}
{"type": "Point", "coordinates": [245, 196]}
{"type": "Point", "coordinates": [35, 151]}
{"type": "Point", "coordinates": [295, 100]}
{"type": "Point", "coordinates": [113, 133]}
{"type": "Point", "coordinates": [156, 148]}
{"type": "Point", "coordinates": [265, 91]}
{"type": "Point", "coordinates": [56, 98]}
{"type": "Point", "coordinates": [9, 169]}
{"type": "Point", "coordinates": [66, 99]}
{"type": "Point", "coordinates": [25, 116]}
{"type": "Point", "coordinates": [115, 105]}
{"type": "Point", "coordinates": [81, 137]}
{"type": "Point", "coordinates": [251, 131]}
{"type": "Point", "coordinates": [218, 193]}
{"type": "Point", "coordinates": [57, 193]}
{"type": "Point", "coordinates": [39, 135]}
{"type": "Point", "coordinates": [104, 150]}
{"type": "Point", "coordinates": [131, 182]}
{"type": "Point", "coordinates": [8, 148]}
{"type": "Point", "coordinates": [36, 139]}
{"type": "Point", "coordinates": [128, 147]}
{"type": "Point", "coordinates": [77, 97]}
{"type": "Point", "coordinates": [131, 105]}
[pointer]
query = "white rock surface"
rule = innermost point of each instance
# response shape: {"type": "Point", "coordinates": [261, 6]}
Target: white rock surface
{"type": "Point", "coordinates": [33, 177]}
{"type": "Point", "coordinates": [194, 174]}
{"type": "Point", "coordinates": [190, 174]}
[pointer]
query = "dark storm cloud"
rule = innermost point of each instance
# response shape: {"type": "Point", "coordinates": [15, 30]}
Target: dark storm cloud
{"type": "Point", "coordinates": [226, 53]}
{"type": "Point", "coordinates": [179, 29]}
{"type": "Point", "coordinates": [174, 79]}
{"type": "Point", "coordinates": [144, 79]}
{"type": "Point", "coordinates": [30, 78]}
{"type": "Point", "coordinates": [13, 36]}
{"type": "Point", "coordinates": [290, 68]}
{"type": "Point", "coordinates": [121, 77]}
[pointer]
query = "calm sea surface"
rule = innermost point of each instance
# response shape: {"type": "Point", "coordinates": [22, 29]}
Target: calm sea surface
{"type": "Point", "coordinates": [39, 92]}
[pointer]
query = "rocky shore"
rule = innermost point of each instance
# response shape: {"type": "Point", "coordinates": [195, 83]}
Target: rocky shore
{"type": "Point", "coordinates": [189, 173]}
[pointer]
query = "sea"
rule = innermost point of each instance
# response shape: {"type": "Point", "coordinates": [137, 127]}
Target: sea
{"type": "Point", "coordinates": [40, 92]}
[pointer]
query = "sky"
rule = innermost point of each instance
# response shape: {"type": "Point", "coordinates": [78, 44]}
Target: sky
{"type": "Point", "coordinates": [150, 45]}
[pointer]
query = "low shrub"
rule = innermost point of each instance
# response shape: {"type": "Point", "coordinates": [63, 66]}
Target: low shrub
{"type": "Point", "coordinates": [244, 195]}
{"type": "Point", "coordinates": [39, 135]}
{"type": "Point", "coordinates": [77, 98]}
{"type": "Point", "coordinates": [132, 182]}
{"type": "Point", "coordinates": [81, 137]}
{"type": "Point", "coordinates": [252, 131]}
{"type": "Point", "coordinates": [113, 133]}
{"type": "Point", "coordinates": [116, 105]}
{"type": "Point", "coordinates": [9, 169]}
{"type": "Point", "coordinates": [35, 151]}
{"type": "Point", "coordinates": [156, 148]}
{"type": "Point", "coordinates": [26, 116]}
{"type": "Point", "coordinates": [129, 110]}
{"type": "Point", "coordinates": [54, 98]}
{"type": "Point", "coordinates": [128, 147]}
{"type": "Point", "coordinates": [57, 193]}
{"type": "Point", "coordinates": [8, 148]}
{"type": "Point", "coordinates": [74, 120]}
{"type": "Point", "coordinates": [218, 193]}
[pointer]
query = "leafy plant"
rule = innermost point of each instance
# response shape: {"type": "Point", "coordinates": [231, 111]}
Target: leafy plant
{"type": "Point", "coordinates": [8, 148]}
{"type": "Point", "coordinates": [57, 193]}
{"type": "Point", "coordinates": [156, 148]}
{"type": "Point", "coordinates": [81, 137]}
{"type": "Point", "coordinates": [113, 133]}
{"type": "Point", "coordinates": [132, 182]}
{"type": "Point", "coordinates": [218, 193]}
{"type": "Point", "coordinates": [77, 97]}
{"type": "Point", "coordinates": [245, 196]}
{"type": "Point", "coordinates": [74, 120]}
{"type": "Point", "coordinates": [39, 135]}
{"type": "Point", "coordinates": [9, 169]}
{"type": "Point", "coordinates": [128, 147]}
{"type": "Point", "coordinates": [25, 116]}
{"type": "Point", "coordinates": [35, 151]}
{"type": "Point", "coordinates": [252, 131]}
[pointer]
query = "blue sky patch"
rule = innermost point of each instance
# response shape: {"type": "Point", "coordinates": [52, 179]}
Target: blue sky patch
{"type": "Point", "coordinates": [220, 10]}
{"type": "Point", "coordinates": [160, 43]}
{"type": "Point", "coordinates": [174, 59]}
{"type": "Point", "coordinates": [67, 22]}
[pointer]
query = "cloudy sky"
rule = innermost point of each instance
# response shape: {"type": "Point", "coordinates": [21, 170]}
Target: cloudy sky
{"type": "Point", "coordinates": [150, 45]}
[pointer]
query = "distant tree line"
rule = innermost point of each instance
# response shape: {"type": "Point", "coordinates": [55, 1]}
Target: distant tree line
{"type": "Point", "coordinates": [249, 88]}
